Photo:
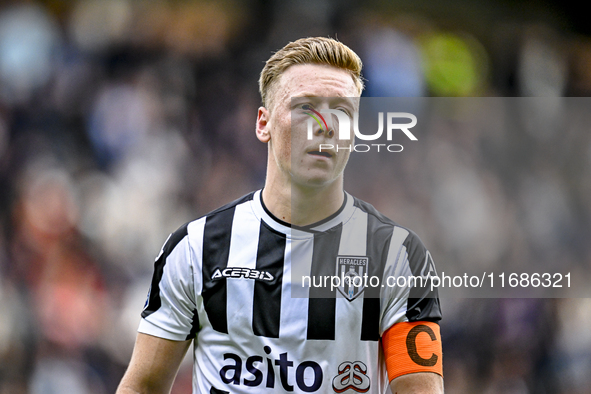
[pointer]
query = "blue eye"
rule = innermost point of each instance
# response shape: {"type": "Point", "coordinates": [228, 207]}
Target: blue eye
{"type": "Point", "coordinates": [307, 107]}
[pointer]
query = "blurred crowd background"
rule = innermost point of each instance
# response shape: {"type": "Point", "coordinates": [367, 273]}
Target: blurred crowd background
{"type": "Point", "coordinates": [122, 119]}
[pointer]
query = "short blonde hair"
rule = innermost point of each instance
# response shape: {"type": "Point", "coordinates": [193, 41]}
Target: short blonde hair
{"type": "Point", "coordinates": [311, 50]}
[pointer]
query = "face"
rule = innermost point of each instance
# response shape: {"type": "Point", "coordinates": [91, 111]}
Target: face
{"type": "Point", "coordinates": [284, 126]}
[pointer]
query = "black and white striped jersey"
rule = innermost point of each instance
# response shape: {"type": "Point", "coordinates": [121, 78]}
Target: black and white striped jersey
{"type": "Point", "coordinates": [252, 291]}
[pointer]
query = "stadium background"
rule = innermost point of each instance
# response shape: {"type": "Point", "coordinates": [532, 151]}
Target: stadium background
{"type": "Point", "coordinates": [122, 119]}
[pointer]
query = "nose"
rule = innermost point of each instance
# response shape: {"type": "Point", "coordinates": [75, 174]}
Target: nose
{"type": "Point", "coordinates": [330, 132]}
{"type": "Point", "coordinates": [327, 124]}
{"type": "Point", "coordinates": [332, 123]}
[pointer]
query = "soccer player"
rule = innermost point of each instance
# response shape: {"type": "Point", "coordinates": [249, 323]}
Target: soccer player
{"type": "Point", "coordinates": [224, 282]}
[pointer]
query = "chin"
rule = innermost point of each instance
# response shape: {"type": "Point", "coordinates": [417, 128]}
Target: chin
{"type": "Point", "coordinates": [313, 182]}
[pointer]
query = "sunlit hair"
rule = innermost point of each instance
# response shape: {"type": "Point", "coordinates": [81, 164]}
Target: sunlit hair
{"type": "Point", "coordinates": [311, 50]}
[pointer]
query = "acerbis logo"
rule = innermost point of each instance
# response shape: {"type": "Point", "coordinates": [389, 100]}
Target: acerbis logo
{"type": "Point", "coordinates": [352, 375]}
{"type": "Point", "coordinates": [240, 272]}
{"type": "Point", "coordinates": [344, 125]}
{"type": "Point", "coordinates": [259, 370]}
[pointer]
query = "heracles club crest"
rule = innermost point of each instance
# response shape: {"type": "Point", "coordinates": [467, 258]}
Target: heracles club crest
{"type": "Point", "coordinates": [351, 271]}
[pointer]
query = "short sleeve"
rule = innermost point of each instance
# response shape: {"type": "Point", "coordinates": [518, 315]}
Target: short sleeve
{"type": "Point", "coordinates": [170, 310]}
{"type": "Point", "coordinates": [407, 296]}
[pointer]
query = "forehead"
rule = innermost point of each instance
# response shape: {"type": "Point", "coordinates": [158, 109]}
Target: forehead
{"type": "Point", "coordinates": [316, 80]}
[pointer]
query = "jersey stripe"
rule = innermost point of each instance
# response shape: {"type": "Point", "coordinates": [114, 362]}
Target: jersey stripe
{"type": "Point", "coordinates": [322, 302]}
{"type": "Point", "coordinates": [154, 302]}
{"type": "Point", "coordinates": [379, 235]}
{"type": "Point", "coordinates": [242, 258]}
{"type": "Point", "coordinates": [216, 249]}
{"type": "Point", "coordinates": [294, 303]}
{"type": "Point", "coordinates": [266, 314]}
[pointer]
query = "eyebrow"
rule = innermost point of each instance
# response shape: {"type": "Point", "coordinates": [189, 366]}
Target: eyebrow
{"type": "Point", "coordinates": [306, 94]}
{"type": "Point", "coordinates": [332, 99]}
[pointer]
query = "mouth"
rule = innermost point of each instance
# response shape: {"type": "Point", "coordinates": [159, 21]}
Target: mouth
{"type": "Point", "coordinates": [322, 154]}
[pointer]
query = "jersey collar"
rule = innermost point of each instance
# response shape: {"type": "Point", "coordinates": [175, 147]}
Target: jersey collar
{"type": "Point", "coordinates": [293, 231]}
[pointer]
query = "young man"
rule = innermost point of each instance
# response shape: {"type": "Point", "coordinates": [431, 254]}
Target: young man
{"type": "Point", "coordinates": [225, 281]}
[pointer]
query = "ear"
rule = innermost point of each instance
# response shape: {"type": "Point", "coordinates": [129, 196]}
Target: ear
{"type": "Point", "coordinates": [262, 128]}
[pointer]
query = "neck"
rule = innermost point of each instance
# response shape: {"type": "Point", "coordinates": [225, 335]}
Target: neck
{"type": "Point", "coordinates": [303, 206]}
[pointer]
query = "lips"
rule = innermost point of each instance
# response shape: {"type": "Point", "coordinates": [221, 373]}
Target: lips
{"type": "Point", "coordinates": [319, 153]}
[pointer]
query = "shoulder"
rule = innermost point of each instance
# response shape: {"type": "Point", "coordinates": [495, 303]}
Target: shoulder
{"type": "Point", "coordinates": [401, 239]}
{"type": "Point", "coordinates": [230, 206]}
{"type": "Point", "coordinates": [372, 211]}
{"type": "Point", "coordinates": [189, 228]}
{"type": "Point", "coordinates": [410, 238]}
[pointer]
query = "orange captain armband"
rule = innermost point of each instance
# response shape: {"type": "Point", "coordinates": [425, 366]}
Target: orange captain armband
{"type": "Point", "coordinates": [412, 347]}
